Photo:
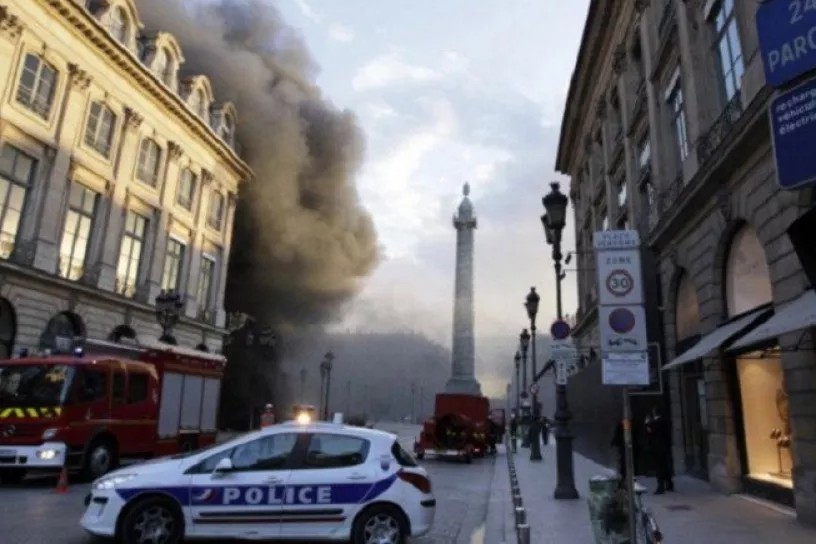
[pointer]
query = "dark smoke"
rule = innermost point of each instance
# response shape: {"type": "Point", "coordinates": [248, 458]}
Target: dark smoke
{"type": "Point", "coordinates": [302, 240]}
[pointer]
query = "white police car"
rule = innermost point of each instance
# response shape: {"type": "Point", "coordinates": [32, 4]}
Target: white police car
{"type": "Point", "coordinates": [320, 481]}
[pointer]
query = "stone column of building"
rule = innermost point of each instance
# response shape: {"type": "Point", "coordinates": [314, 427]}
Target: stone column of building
{"type": "Point", "coordinates": [463, 375]}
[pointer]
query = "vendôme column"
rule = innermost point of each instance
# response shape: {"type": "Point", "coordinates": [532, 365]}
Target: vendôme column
{"type": "Point", "coordinates": [463, 376]}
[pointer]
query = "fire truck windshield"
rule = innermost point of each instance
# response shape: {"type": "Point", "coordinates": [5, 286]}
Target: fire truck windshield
{"type": "Point", "coordinates": [34, 385]}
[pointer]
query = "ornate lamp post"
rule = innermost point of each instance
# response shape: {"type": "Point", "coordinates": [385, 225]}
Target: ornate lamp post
{"type": "Point", "coordinates": [517, 362]}
{"type": "Point", "coordinates": [325, 375]}
{"type": "Point", "coordinates": [168, 312]}
{"type": "Point", "coordinates": [555, 203]}
{"type": "Point", "coordinates": [531, 304]}
{"type": "Point", "coordinates": [524, 341]}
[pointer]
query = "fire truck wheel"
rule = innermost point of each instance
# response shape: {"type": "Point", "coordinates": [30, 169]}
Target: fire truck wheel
{"type": "Point", "coordinates": [99, 459]}
{"type": "Point", "coordinates": [380, 524]}
{"type": "Point", "coordinates": [12, 476]}
{"type": "Point", "coordinates": [154, 520]}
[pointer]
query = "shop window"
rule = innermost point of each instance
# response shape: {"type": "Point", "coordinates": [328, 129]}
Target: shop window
{"type": "Point", "coordinates": [766, 420]}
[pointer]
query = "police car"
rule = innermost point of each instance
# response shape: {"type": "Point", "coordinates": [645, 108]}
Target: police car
{"type": "Point", "coordinates": [312, 482]}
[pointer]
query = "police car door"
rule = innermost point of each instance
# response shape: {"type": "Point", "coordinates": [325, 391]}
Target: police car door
{"type": "Point", "coordinates": [243, 501]}
{"type": "Point", "coordinates": [329, 480]}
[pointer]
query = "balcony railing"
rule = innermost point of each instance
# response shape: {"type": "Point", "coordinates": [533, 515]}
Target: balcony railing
{"type": "Point", "coordinates": [720, 130]}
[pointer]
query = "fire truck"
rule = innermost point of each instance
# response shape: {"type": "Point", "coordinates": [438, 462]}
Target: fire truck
{"type": "Point", "coordinates": [104, 402]}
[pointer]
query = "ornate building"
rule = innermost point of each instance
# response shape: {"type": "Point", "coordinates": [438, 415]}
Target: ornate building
{"type": "Point", "coordinates": [666, 131]}
{"type": "Point", "coordinates": [118, 177]}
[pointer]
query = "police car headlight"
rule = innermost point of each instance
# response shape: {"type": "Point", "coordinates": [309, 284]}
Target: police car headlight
{"type": "Point", "coordinates": [48, 434]}
{"type": "Point", "coordinates": [111, 482]}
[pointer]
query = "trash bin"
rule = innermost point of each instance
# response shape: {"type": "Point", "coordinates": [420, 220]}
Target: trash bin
{"type": "Point", "coordinates": [608, 510]}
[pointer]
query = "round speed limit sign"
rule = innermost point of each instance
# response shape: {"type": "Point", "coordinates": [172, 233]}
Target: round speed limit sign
{"type": "Point", "coordinates": [619, 283]}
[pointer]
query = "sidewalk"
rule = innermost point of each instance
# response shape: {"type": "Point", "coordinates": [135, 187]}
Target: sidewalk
{"type": "Point", "coordinates": [694, 513]}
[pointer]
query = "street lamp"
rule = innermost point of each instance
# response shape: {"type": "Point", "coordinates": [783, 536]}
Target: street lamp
{"type": "Point", "coordinates": [168, 312]}
{"type": "Point", "coordinates": [517, 361]}
{"type": "Point", "coordinates": [555, 204]}
{"type": "Point", "coordinates": [325, 374]}
{"type": "Point", "coordinates": [524, 341]}
{"type": "Point", "coordinates": [531, 304]}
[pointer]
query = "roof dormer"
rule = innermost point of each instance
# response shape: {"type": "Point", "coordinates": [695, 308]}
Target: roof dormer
{"type": "Point", "coordinates": [162, 54]}
{"type": "Point", "coordinates": [120, 18]}
{"type": "Point", "coordinates": [197, 92]}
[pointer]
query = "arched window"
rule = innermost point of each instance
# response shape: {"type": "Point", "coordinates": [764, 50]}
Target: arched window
{"type": "Point", "coordinates": [747, 278]}
{"type": "Point", "coordinates": [228, 129]}
{"type": "Point", "coordinates": [163, 66]}
{"type": "Point", "coordinates": [118, 25]}
{"type": "Point", "coordinates": [198, 103]}
{"type": "Point", "coordinates": [147, 170]}
{"type": "Point", "coordinates": [63, 332]}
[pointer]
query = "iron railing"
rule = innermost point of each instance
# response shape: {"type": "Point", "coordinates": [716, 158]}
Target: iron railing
{"type": "Point", "coordinates": [720, 129]}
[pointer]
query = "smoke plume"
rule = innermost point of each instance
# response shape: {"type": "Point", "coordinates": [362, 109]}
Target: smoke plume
{"type": "Point", "coordinates": [302, 240]}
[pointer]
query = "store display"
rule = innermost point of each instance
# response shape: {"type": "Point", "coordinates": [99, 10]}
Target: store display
{"type": "Point", "coordinates": [782, 436]}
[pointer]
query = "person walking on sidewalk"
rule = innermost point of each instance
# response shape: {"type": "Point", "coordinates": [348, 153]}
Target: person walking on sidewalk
{"type": "Point", "coordinates": [658, 439]}
{"type": "Point", "coordinates": [545, 430]}
{"type": "Point", "coordinates": [514, 432]}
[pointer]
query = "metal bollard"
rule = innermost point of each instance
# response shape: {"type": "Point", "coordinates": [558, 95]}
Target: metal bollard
{"type": "Point", "coordinates": [521, 516]}
{"type": "Point", "coordinates": [524, 534]}
{"type": "Point", "coordinates": [517, 499]}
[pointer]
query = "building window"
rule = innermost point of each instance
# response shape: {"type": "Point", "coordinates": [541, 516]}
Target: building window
{"type": "Point", "coordinates": [130, 254]}
{"type": "Point", "coordinates": [77, 231]}
{"type": "Point", "coordinates": [149, 162]}
{"type": "Point", "coordinates": [729, 47]}
{"type": "Point", "coordinates": [38, 84]}
{"type": "Point", "coordinates": [186, 189]}
{"type": "Point", "coordinates": [622, 196]}
{"type": "Point", "coordinates": [173, 261]}
{"type": "Point", "coordinates": [679, 126]}
{"type": "Point", "coordinates": [215, 217]}
{"type": "Point", "coordinates": [205, 282]}
{"type": "Point", "coordinates": [118, 25]}
{"type": "Point", "coordinates": [163, 66]}
{"type": "Point", "coordinates": [99, 129]}
{"type": "Point", "coordinates": [16, 174]}
{"type": "Point", "coordinates": [198, 103]}
{"type": "Point", "coordinates": [227, 130]}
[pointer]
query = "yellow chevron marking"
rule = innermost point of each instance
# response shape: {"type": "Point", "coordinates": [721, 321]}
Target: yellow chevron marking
{"type": "Point", "coordinates": [30, 413]}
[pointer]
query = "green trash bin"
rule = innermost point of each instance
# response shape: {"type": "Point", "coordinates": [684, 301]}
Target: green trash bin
{"type": "Point", "coordinates": [608, 510]}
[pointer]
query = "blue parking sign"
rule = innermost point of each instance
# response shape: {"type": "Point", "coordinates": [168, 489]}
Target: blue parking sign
{"type": "Point", "coordinates": [793, 132]}
{"type": "Point", "coordinates": [787, 39]}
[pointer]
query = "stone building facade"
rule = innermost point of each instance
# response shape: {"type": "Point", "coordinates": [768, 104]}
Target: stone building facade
{"type": "Point", "coordinates": [666, 131]}
{"type": "Point", "coordinates": [118, 178]}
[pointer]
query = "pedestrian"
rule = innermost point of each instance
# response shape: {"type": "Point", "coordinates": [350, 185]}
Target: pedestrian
{"type": "Point", "coordinates": [658, 439]}
{"type": "Point", "coordinates": [545, 429]}
{"type": "Point", "coordinates": [514, 432]}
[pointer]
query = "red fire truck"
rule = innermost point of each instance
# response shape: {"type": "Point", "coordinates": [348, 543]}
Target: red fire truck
{"type": "Point", "coordinates": [105, 402]}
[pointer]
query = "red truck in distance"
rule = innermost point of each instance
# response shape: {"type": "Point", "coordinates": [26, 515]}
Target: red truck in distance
{"type": "Point", "coordinates": [458, 429]}
{"type": "Point", "coordinates": [105, 402]}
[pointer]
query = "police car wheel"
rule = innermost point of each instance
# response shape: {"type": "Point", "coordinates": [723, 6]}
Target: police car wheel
{"type": "Point", "coordinates": [154, 520]}
{"type": "Point", "coordinates": [380, 524]}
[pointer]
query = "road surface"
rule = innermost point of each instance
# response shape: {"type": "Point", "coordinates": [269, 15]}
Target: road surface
{"type": "Point", "coordinates": [33, 514]}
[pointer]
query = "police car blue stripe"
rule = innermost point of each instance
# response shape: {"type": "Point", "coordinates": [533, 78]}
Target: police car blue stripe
{"type": "Point", "coordinates": [282, 495]}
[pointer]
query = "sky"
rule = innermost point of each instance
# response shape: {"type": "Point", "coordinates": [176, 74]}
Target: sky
{"type": "Point", "coordinates": [448, 92]}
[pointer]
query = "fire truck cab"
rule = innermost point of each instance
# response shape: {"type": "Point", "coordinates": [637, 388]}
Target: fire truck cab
{"type": "Point", "coordinates": [89, 409]}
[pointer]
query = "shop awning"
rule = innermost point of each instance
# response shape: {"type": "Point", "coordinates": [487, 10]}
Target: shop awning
{"type": "Point", "coordinates": [719, 336]}
{"type": "Point", "coordinates": [795, 316]}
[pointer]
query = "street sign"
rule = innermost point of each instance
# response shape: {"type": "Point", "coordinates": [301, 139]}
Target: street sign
{"type": "Point", "coordinates": [619, 277]}
{"type": "Point", "coordinates": [625, 368]}
{"type": "Point", "coordinates": [793, 131]}
{"type": "Point", "coordinates": [787, 39]}
{"type": "Point", "coordinates": [560, 330]}
{"type": "Point", "coordinates": [563, 350]}
{"type": "Point", "coordinates": [655, 386]}
{"type": "Point", "coordinates": [615, 239]}
{"type": "Point", "coordinates": [622, 328]}
{"type": "Point", "coordinates": [561, 373]}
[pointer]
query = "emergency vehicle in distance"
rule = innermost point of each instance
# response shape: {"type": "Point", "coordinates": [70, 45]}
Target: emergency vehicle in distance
{"type": "Point", "coordinates": [291, 481]}
{"type": "Point", "coordinates": [105, 402]}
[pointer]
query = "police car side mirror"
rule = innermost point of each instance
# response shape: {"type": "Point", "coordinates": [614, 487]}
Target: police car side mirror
{"type": "Point", "coordinates": [223, 466]}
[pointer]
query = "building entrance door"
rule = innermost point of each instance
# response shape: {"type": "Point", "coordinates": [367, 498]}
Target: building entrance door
{"type": "Point", "coordinates": [695, 420]}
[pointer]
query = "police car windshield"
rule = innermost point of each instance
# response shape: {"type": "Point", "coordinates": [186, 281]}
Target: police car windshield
{"type": "Point", "coordinates": [34, 385]}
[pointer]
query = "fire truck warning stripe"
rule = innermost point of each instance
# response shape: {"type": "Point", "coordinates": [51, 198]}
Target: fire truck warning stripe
{"type": "Point", "coordinates": [30, 413]}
